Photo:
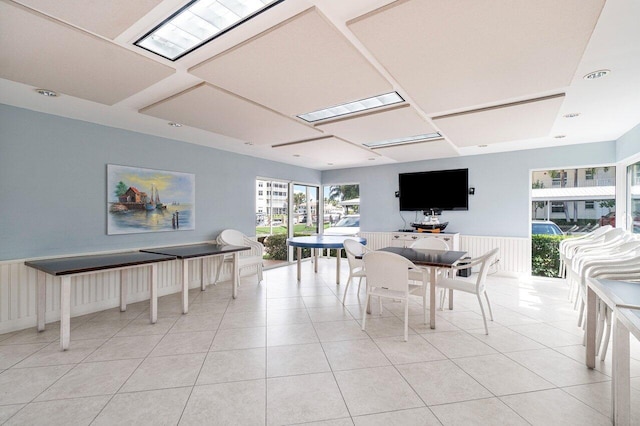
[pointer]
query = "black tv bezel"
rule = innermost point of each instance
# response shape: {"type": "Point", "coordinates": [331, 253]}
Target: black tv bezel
{"type": "Point", "coordinates": [428, 208]}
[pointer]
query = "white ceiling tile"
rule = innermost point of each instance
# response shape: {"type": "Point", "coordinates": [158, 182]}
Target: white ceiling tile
{"type": "Point", "coordinates": [210, 108]}
{"type": "Point", "coordinates": [299, 66]}
{"type": "Point", "coordinates": [376, 126]}
{"type": "Point", "coordinates": [522, 120]}
{"type": "Point", "coordinates": [326, 150]}
{"type": "Point", "coordinates": [451, 55]}
{"type": "Point", "coordinates": [106, 18]}
{"type": "Point", "coordinates": [428, 150]}
{"type": "Point", "coordinates": [70, 61]}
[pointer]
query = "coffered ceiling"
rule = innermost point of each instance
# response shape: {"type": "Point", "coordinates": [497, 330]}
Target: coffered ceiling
{"type": "Point", "coordinates": [488, 75]}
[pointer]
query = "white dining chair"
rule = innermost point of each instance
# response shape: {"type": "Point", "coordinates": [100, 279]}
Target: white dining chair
{"type": "Point", "coordinates": [568, 244]}
{"type": "Point", "coordinates": [429, 244]}
{"type": "Point", "coordinates": [247, 259]}
{"type": "Point", "coordinates": [479, 287]}
{"type": "Point", "coordinates": [355, 252]}
{"type": "Point", "coordinates": [388, 277]}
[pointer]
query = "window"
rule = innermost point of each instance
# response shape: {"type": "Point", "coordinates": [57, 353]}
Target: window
{"type": "Point", "coordinates": [588, 174]}
{"type": "Point", "coordinates": [260, 193]}
{"type": "Point", "coordinates": [589, 205]}
{"type": "Point", "coordinates": [198, 23]}
{"type": "Point", "coordinates": [633, 198]}
{"type": "Point", "coordinates": [352, 107]}
{"type": "Point", "coordinates": [557, 207]}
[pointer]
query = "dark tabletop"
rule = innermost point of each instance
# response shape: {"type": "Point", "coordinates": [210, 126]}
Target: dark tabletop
{"type": "Point", "coordinates": [426, 257]}
{"type": "Point", "coordinates": [196, 250]}
{"type": "Point", "coordinates": [79, 264]}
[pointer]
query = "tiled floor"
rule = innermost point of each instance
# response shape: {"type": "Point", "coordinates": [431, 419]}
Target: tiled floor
{"type": "Point", "coordinates": [288, 353]}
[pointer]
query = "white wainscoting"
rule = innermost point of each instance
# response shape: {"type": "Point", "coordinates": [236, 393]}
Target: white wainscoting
{"type": "Point", "coordinates": [96, 292]}
{"type": "Point", "coordinates": [515, 253]}
{"type": "Point", "coordinates": [89, 293]}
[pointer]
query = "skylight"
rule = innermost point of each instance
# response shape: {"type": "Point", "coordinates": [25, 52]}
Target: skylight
{"type": "Point", "coordinates": [198, 23]}
{"type": "Point", "coordinates": [351, 107]}
{"type": "Point", "coordinates": [405, 140]}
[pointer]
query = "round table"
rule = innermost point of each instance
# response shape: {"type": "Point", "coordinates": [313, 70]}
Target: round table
{"type": "Point", "coordinates": [322, 242]}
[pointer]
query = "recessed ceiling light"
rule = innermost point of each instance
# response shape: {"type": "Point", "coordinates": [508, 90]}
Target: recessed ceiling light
{"type": "Point", "coordinates": [172, 124]}
{"type": "Point", "coordinates": [199, 22]}
{"type": "Point", "coordinates": [48, 93]}
{"type": "Point", "coordinates": [248, 143]}
{"type": "Point", "coordinates": [371, 159]}
{"type": "Point", "coordinates": [482, 146]}
{"type": "Point", "coordinates": [571, 115]}
{"type": "Point", "coordinates": [597, 74]}
{"type": "Point", "coordinates": [329, 164]}
{"type": "Point", "coordinates": [404, 140]}
{"type": "Point", "coordinates": [560, 136]}
{"type": "Point", "coordinates": [352, 107]}
{"type": "Point", "coordinates": [296, 155]}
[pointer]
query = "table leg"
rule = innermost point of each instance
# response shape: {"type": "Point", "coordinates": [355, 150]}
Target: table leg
{"type": "Point", "coordinates": [299, 254]}
{"type": "Point", "coordinates": [235, 274]}
{"type": "Point", "coordinates": [621, 382]}
{"type": "Point", "coordinates": [451, 299]}
{"type": "Point", "coordinates": [185, 286]}
{"type": "Point", "coordinates": [42, 300]}
{"type": "Point", "coordinates": [65, 312]}
{"type": "Point", "coordinates": [591, 328]}
{"type": "Point", "coordinates": [315, 260]}
{"type": "Point", "coordinates": [153, 293]}
{"type": "Point", "coordinates": [338, 256]}
{"type": "Point", "coordinates": [124, 289]}
{"type": "Point", "coordinates": [432, 296]}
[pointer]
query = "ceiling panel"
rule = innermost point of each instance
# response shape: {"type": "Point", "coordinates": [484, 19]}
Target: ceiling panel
{"type": "Point", "coordinates": [106, 18]}
{"type": "Point", "coordinates": [428, 150]}
{"type": "Point", "coordinates": [380, 125]}
{"type": "Point", "coordinates": [458, 54]}
{"type": "Point", "coordinates": [302, 65]}
{"type": "Point", "coordinates": [209, 108]}
{"type": "Point", "coordinates": [62, 58]}
{"type": "Point", "coordinates": [521, 120]}
{"type": "Point", "coordinates": [329, 150]}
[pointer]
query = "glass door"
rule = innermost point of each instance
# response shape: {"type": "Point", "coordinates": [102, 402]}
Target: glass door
{"type": "Point", "coordinates": [306, 214]}
{"type": "Point", "coordinates": [272, 219]}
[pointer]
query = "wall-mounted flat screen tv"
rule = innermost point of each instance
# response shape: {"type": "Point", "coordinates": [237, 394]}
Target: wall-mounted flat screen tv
{"type": "Point", "coordinates": [439, 190]}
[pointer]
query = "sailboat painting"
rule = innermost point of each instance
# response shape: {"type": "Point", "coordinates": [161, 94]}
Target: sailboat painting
{"type": "Point", "coordinates": [134, 204]}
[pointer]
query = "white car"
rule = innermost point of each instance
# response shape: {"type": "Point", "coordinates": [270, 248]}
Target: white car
{"type": "Point", "coordinates": [348, 225]}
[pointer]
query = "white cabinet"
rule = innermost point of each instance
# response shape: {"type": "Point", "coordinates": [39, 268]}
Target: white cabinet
{"type": "Point", "coordinates": [405, 239]}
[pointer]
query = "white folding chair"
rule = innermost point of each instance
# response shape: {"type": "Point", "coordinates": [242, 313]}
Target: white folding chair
{"type": "Point", "coordinates": [354, 249]}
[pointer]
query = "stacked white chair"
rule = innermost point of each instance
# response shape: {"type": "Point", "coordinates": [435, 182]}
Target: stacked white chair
{"type": "Point", "coordinates": [566, 246]}
{"type": "Point", "coordinates": [572, 251]}
{"type": "Point", "coordinates": [625, 248]}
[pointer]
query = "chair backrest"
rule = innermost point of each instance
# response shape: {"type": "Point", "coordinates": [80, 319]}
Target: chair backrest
{"type": "Point", "coordinates": [354, 248]}
{"type": "Point", "coordinates": [231, 237]}
{"type": "Point", "coordinates": [485, 262]}
{"type": "Point", "coordinates": [430, 243]}
{"type": "Point", "coordinates": [387, 270]}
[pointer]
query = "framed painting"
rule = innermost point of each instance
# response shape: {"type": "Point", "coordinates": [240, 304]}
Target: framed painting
{"type": "Point", "coordinates": [148, 200]}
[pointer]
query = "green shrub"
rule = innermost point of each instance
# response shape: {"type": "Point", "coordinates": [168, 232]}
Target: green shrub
{"type": "Point", "coordinates": [276, 247]}
{"type": "Point", "coordinates": [545, 259]}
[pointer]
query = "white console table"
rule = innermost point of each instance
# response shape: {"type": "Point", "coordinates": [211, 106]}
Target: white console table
{"type": "Point", "coordinates": [405, 239]}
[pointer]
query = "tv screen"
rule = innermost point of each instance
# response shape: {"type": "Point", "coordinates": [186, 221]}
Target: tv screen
{"type": "Point", "coordinates": [441, 190]}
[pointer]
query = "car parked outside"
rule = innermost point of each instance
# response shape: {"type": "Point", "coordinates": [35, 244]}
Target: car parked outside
{"type": "Point", "coordinates": [608, 219]}
{"type": "Point", "coordinates": [348, 225]}
{"type": "Point", "coordinates": [545, 227]}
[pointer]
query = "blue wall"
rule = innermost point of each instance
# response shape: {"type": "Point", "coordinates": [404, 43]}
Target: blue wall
{"type": "Point", "coordinates": [500, 206]}
{"type": "Point", "coordinates": [629, 144]}
{"type": "Point", "coordinates": [53, 184]}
